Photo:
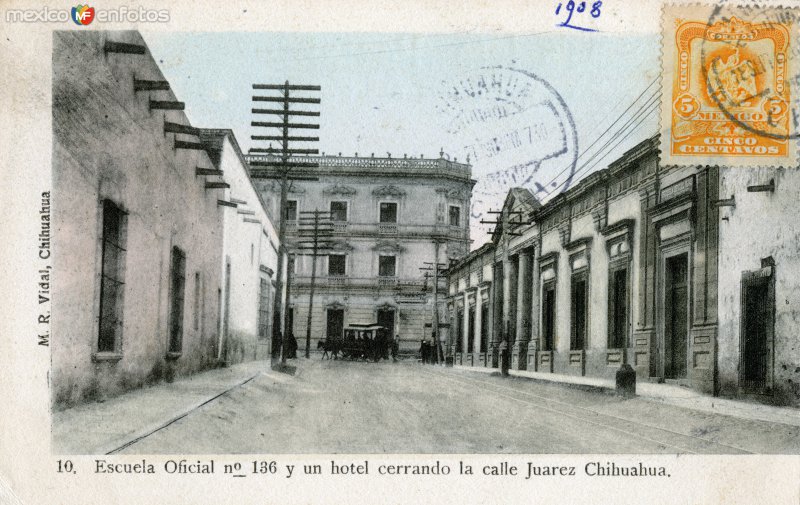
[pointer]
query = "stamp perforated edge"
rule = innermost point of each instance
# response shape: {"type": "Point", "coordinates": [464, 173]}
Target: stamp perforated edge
{"type": "Point", "coordinates": [667, 33]}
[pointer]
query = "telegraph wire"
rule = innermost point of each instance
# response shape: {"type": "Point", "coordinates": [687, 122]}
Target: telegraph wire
{"type": "Point", "coordinates": [585, 151]}
{"type": "Point", "coordinates": [653, 108]}
{"type": "Point", "coordinates": [648, 103]}
{"type": "Point", "coordinates": [628, 134]}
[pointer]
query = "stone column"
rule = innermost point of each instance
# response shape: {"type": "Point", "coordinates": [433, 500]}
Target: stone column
{"type": "Point", "coordinates": [645, 348]}
{"type": "Point", "coordinates": [465, 323]}
{"type": "Point", "coordinates": [498, 285]}
{"type": "Point", "coordinates": [533, 343]}
{"type": "Point", "coordinates": [519, 358]}
{"type": "Point", "coordinates": [506, 311]}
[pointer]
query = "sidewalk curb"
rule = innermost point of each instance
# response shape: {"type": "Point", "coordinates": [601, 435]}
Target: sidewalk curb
{"type": "Point", "coordinates": [696, 402]}
{"type": "Point", "coordinates": [118, 445]}
{"type": "Point", "coordinates": [495, 372]}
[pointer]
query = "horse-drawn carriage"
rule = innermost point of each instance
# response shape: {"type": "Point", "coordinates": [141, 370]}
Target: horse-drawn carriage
{"type": "Point", "coordinates": [359, 341]}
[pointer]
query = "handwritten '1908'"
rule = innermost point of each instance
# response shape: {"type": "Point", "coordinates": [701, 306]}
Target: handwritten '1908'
{"type": "Point", "coordinates": [571, 7]}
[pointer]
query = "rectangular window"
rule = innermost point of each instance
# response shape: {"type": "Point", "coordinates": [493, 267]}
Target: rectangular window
{"type": "Point", "coordinates": [177, 285]}
{"type": "Point", "coordinates": [618, 308]}
{"type": "Point", "coordinates": [197, 300]}
{"type": "Point", "coordinates": [578, 312]}
{"type": "Point", "coordinates": [388, 212]}
{"type": "Point", "coordinates": [336, 264]}
{"type": "Point", "coordinates": [263, 309]}
{"type": "Point", "coordinates": [111, 278]}
{"type": "Point", "coordinates": [549, 316]}
{"type": "Point", "coordinates": [386, 266]}
{"type": "Point", "coordinates": [338, 211]}
{"type": "Point", "coordinates": [455, 216]}
{"type": "Point", "coordinates": [290, 212]}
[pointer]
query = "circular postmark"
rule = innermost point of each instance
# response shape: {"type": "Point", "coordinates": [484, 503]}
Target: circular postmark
{"type": "Point", "coordinates": [516, 130]}
{"type": "Point", "coordinates": [745, 74]}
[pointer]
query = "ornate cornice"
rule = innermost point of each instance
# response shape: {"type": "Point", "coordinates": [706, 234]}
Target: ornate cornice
{"type": "Point", "coordinates": [389, 190]}
{"type": "Point", "coordinates": [339, 189]}
{"type": "Point", "coordinates": [387, 246]}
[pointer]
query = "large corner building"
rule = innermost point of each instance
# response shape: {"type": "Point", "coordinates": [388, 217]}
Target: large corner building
{"type": "Point", "coordinates": [391, 216]}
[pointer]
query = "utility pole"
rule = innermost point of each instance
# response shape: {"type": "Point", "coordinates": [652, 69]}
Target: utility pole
{"type": "Point", "coordinates": [434, 267]}
{"type": "Point", "coordinates": [315, 230]}
{"type": "Point", "coordinates": [279, 168]}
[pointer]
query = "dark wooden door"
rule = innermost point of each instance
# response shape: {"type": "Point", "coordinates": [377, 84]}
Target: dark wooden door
{"type": "Point", "coordinates": [484, 327]}
{"type": "Point", "coordinates": [335, 325]}
{"type": "Point", "coordinates": [471, 330]}
{"type": "Point", "coordinates": [756, 336]}
{"type": "Point", "coordinates": [548, 318]}
{"type": "Point", "coordinates": [676, 315]}
{"type": "Point", "coordinates": [386, 319]}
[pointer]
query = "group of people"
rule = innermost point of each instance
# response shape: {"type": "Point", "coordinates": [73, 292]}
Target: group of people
{"type": "Point", "coordinates": [428, 350]}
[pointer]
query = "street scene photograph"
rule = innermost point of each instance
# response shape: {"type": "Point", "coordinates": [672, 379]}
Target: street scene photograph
{"type": "Point", "coordinates": [338, 242]}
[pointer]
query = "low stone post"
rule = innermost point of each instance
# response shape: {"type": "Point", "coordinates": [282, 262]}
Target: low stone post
{"type": "Point", "coordinates": [626, 381]}
{"type": "Point", "coordinates": [505, 358]}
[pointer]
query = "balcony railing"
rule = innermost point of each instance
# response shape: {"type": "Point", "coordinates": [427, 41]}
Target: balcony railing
{"type": "Point", "coordinates": [383, 282]}
{"type": "Point", "coordinates": [336, 165]}
{"type": "Point", "coordinates": [387, 229]}
{"type": "Point", "coordinates": [386, 281]}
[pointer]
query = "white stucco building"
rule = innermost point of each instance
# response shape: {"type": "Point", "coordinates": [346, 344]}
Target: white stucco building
{"type": "Point", "coordinates": [391, 216]}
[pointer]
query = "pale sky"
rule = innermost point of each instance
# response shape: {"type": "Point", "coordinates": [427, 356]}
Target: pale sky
{"type": "Point", "coordinates": [394, 93]}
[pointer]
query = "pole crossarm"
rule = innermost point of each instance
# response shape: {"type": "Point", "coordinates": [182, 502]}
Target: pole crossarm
{"type": "Point", "coordinates": [281, 138]}
{"type": "Point", "coordinates": [270, 150]}
{"type": "Point", "coordinates": [290, 87]}
{"type": "Point", "coordinates": [285, 100]}
{"type": "Point", "coordinates": [285, 125]}
{"type": "Point", "coordinates": [285, 164]}
{"type": "Point", "coordinates": [285, 112]}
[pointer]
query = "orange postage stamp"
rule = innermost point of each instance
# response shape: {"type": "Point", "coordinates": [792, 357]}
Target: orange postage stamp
{"type": "Point", "coordinates": [727, 95]}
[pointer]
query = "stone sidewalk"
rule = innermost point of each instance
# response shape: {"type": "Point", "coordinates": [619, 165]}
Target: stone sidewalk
{"type": "Point", "coordinates": [666, 393]}
{"type": "Point", "coordinates": [108, 426]}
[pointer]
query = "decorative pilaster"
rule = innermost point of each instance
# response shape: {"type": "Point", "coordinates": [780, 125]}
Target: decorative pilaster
{"type": "Point", "coordinates": [476, 330]}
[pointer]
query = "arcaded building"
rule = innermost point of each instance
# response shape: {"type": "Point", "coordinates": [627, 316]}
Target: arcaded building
{"type": "Point", "coordinates": [151, 237]}
{"type": "Point", "coordinates": [686, 274]}
{"type": "Point", "coordinates": [620, 268]}
{"type": "Point", "coordinates": [391, 218]}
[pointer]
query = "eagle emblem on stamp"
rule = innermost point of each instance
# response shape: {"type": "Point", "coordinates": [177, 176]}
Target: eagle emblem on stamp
{"type": "Point", "coordinates": [727, 97]}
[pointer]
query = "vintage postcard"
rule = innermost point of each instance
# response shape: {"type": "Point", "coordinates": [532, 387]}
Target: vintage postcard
{"type": "Point", "coordinates": [400, 252]}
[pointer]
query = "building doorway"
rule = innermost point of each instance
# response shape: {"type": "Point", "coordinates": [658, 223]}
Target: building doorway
{"type": "Point", "coordinates": [758, 304]}
{"type": "Point", "coordinates": [548, 316]}
{"type": "Point", "coordinates": [459, 331]}
{"type": "Point", "coordinates": [471, 330]}
{"type": "Point", "coordinates": [335, 324]}
{"type": "Point", "coordinates": [484, 327]}
{"type": "Point", "coordinates": [386, 319]}
{"type": "Point", "coordinates": [676, 316]}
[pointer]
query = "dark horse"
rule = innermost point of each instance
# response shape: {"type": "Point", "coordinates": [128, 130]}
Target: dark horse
{"type": "Point", "coordinates": [332, 347]}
